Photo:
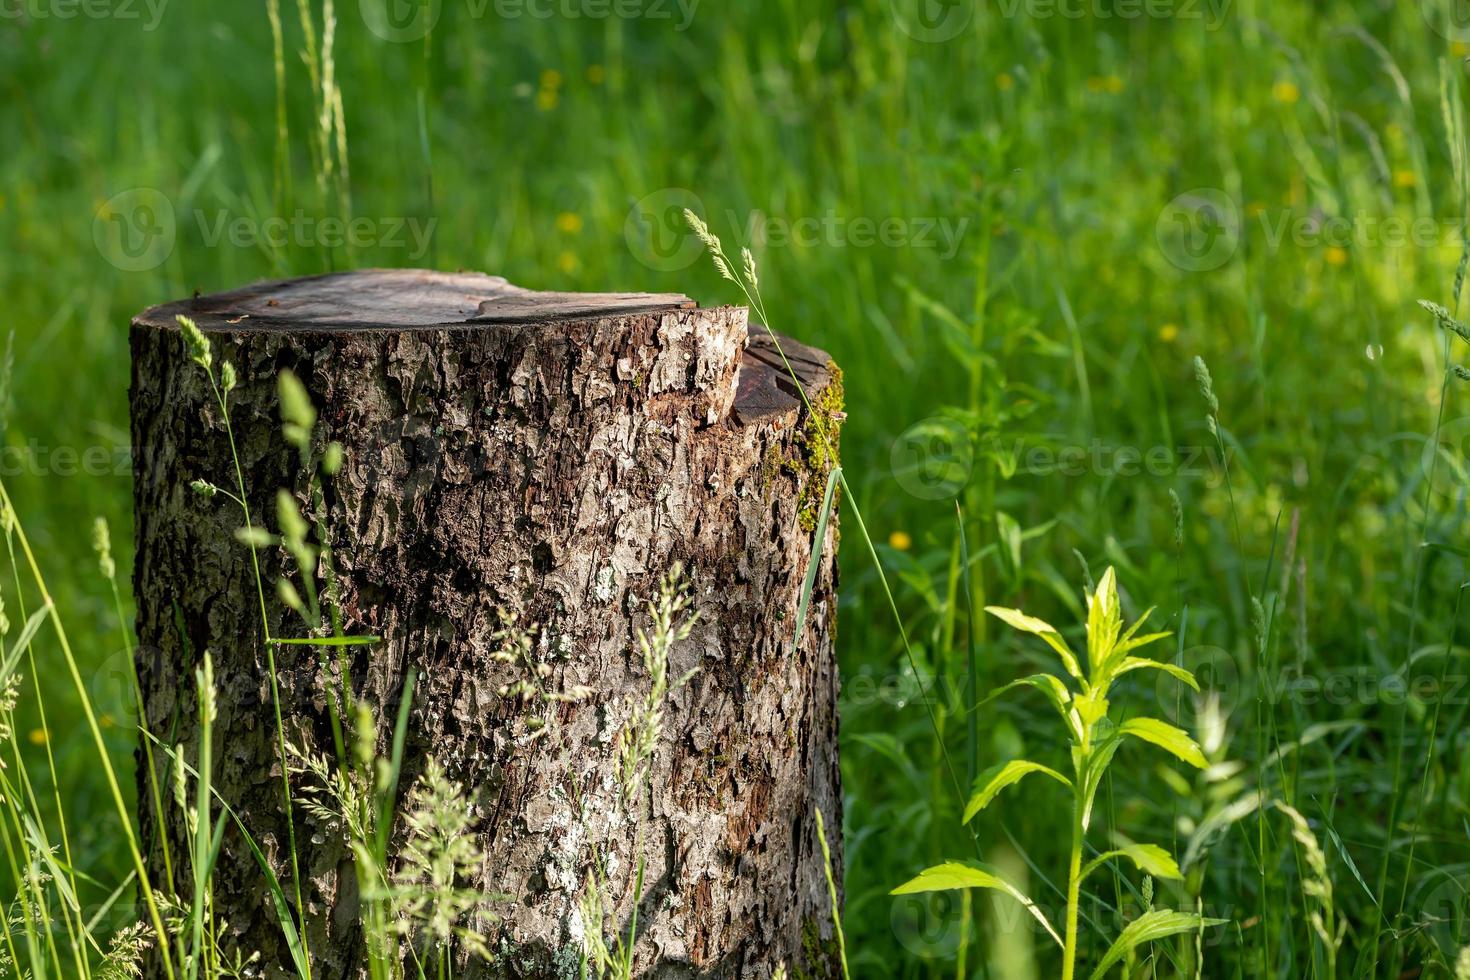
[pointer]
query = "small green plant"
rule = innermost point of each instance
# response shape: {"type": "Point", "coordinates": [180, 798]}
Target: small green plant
{"type": "Point", "coordinates": [1094, 737]}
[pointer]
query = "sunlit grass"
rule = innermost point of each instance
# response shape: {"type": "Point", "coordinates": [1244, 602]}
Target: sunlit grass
{"type": "Point", "coordinates": [1061, 142]}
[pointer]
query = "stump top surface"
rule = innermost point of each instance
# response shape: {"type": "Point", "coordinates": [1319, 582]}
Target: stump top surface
{"type": "Point", "coordinates": [397, 299]}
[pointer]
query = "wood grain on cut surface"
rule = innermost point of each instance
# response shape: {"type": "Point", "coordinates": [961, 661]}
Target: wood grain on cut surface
{"type": "Point", "coordinates": [552, 454]}
{"type": "Point", "coordinates": [396, 299]}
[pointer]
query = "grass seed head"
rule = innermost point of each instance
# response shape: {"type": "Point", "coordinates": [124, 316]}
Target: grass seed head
{"type": "Point", "coordinates": [1178, 509]}
{"type": "Point", "coordinates": [1207, 390]}
{"type": "Point", "coordinates": [196, 342]}
{"type": "Point", "coordinates": [102, 545]}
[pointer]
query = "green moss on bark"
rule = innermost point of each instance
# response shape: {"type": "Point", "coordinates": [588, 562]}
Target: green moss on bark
{"type": "Point", "coordinates": [818, 450]}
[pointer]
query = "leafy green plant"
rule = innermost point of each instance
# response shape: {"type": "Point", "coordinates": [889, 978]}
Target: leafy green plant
{"type": "Point", "coordinates": [1094, 736]}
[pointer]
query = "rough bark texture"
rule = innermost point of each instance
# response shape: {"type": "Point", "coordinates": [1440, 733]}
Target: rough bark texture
{"type": "Point", "coordinates": [550, 454]}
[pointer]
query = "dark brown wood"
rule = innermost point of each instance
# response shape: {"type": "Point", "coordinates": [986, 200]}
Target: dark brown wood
{"type": "Point", "coordinates": [548, 453]}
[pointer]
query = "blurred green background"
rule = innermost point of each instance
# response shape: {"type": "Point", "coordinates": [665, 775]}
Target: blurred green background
{"type": "Point", "coordinates": [1013, 224]}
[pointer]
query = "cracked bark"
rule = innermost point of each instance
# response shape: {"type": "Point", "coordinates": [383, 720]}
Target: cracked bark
{"type": "Point", "coordinates": [553, 454]}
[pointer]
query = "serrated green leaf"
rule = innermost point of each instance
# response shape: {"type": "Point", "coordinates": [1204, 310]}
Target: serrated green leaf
{"type": "Point", "coordinates": [1150, 858]}
{"type": "Point", "coordinates": [1039, 627]}
{"type": "Point", "coordinates": [990, 782]}
{"type": "Point", "coordinates": [1166, 737]}
{"type": "Point", "coordinates": [1143, 663]}
{"type": "Point", "coordinates": [953, 875]}
{"type": "Point", "coordinates": [1151, 926]}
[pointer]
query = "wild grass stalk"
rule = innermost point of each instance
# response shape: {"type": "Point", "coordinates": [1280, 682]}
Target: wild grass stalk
{"type": "Point", "coordinates": [102, 545]}
{"type": "Point", "coordinates": [201, 354]}
{"type": "Point", "coordinates": [749, 284]}
{"type": "Point", "coordinates": [150, 899]}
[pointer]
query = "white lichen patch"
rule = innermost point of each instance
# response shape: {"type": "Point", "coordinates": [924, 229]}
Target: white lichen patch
{"type": "Point", "coordinates": [604, 590]}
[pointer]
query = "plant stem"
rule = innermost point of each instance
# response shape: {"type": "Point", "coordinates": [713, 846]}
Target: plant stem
{"type": "Point", "coordinates": [1074, 884]}
{"type": "Point", "coordinates": [270, 654]}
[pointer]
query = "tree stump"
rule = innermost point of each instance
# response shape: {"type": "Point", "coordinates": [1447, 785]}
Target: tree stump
{"type": "Point", "coordinates": [551, 454]}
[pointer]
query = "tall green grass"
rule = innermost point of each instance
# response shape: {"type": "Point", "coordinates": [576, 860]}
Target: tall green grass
{"type": "Point", "coordinates": [1334, 554]}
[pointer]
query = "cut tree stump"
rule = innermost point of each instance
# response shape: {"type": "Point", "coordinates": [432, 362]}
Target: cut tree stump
{"type": "Point", "coordinates": [550, 454]}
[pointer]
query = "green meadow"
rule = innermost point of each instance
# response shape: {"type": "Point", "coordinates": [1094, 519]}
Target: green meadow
{"type": "Point", "coordinates": [1015, 225]}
